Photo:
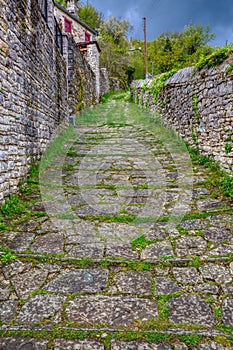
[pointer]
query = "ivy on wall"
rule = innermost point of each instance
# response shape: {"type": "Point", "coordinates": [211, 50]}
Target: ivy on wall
{"type": "Point", "coordinates": [158, 84]}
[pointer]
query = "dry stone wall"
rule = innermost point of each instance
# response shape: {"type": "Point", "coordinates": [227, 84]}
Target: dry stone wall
{"type": "Point", "coordinates": [33, 89]}
{"type": "Point", "coordinates": [36, 92]}
{"type": "Point", "coordinates": [198, 104]}
{"type": "Point", "coordinates": [82, 80]}
{"type": "Point", "coordinates": [104, 81]}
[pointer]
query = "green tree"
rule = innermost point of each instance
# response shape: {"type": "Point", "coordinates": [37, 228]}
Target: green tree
{"type": "Point", "coordinates": [196, 37]}
{"type": "Point", "coordinates": [173, 50]}
{"type": "Point", "coordinates": [115, 47]}
{"type": "Point", "coordinates": [89, 15]}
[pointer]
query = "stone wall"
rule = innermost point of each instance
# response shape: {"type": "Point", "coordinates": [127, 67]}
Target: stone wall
{"type": "Point", "coordinates": [35, 95]}
{"type": "Point", "coordinates": [198, 104]}
{"type": "Point", "coordinates": [104, 81]}
{"type": "Point", "coordinates": [33, 89]}
{"type": "Point", "coordinates": [82, 80]}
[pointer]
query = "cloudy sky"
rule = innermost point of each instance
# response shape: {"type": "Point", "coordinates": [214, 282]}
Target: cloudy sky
{"type": "Point", "coordinates": [172, 15]}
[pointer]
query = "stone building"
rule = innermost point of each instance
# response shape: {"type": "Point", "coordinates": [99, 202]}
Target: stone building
{"type": "Point", "coordinates": [83, 35]}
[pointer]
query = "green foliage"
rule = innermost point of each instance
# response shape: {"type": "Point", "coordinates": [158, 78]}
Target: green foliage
{"type": "Point", "coordinates": [208, 163]}
{"type": "Point", "coordinates": [195, 262]}
{"type": "Point", "coordinates": [115, 29]}
{"type": "Point", "coordinates": [196, 36]}
{"type": "Point", "coordinates": [158, 83]}
{"type": "Point", "coordinates": [195, 108]}
{"type": "Point", "coordinates": [33, 174]}
{"type": "Point", "coordinates": [228, 148]}
{"type": "Point", "coordinates": [226, 185]}
{"type": "Point", "coordinates": [26, 188]}
{"type": "Point", "coordinates": [7, 255]}
{"type": "Point", "coordinates": [61, 2]}
{"type": "Point", "coordinates": [229, 68]}
{"type": "Point", "coordinates": [3, 227]}
{"type": "Point", "coordinates": [57, 147]}
{"type": "Point", "coordinates": [89, 15]}
{"type": "Point", "coordinates": [139, 266]}
{"type": "Point", "coordinates": [218, 178]}
{"type": "Point", "coordinates": [13, 205]}
{"type": "Point", "coordinates": [141, 242]}
{"type": "Point", "coordinates": [191, 339]}
{"type": "Point", "coordinates": [114, 46]}
{"type": "Point", "coordinates": [194, 133]}
{"type": "Point", "coordinates": [173, 50]}
{"type": "Point", "coordinates": [215, 58]}
{"type": "Point", "coordinates": [113, 95]}
{"type": "Point", "coordinates": [71, 153]}
{"type": "Point", "coordinates": [229, 143]}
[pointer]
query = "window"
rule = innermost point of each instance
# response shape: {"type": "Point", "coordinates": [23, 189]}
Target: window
{"type": "Point", "coordinates": [87, 37]}
{"type": "Point", "coordinates": [67, 25]}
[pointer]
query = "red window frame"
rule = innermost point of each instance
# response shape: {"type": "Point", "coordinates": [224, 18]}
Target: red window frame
{"type": "Point", "coordinates": [67, 25]}
{"type": "Point", "coordinates": [87, 37]}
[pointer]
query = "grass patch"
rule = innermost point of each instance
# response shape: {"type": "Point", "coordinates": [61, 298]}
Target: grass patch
{"type": "Point", "coordinates": [226, 186]}
{"type": "Point", "coordinates": [141, 242]}
{"type": "Point", "coordinates": [71, 153]}
{"type": "Point", "coordinates": [113, 95]}
{"type": "Point", "coordinates": [139, 266]}
{"type": "Point", "coordinates": [7, 255]}
{"type": "Point", "coordinates": [13, 205]}
{"type": "Point", "coordinates": [3, 227]}
{"type": "Point", "coordinates": [229, 68]}
{"type": "Point", "coordinates": [68, 167]}
{"type": "Point", "coordinates": [127, 219]}
{"type": "Point", "coordinates": [58, 147]}
{"type": "Point", "coordinates": [191, 339]}
{"type": "Point", "coordinates": [105, 337]}
{"type": "Point", "coordinates": [217, 179]}
{"type": "Point", "coordinates": [196, 262]}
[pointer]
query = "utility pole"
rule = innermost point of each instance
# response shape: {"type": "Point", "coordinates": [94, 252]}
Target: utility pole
{"type": "Point", "coordinates": [145, 46]}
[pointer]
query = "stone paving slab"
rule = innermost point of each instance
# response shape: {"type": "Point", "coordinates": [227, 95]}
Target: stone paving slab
{"type": "Point", "coordinates": [29, 343]}
{"type": "Point", "coordinates": [134, 345]}
{"type": "Point", "coordinates": [191, 309]}
{"type": "Point", "coordinates": [21, 343]}
{"type": "Point", "coordinates": [111, 311]}
{"type": "Point", "coordinates": [134, 282]}
{"type": "Point", "coordinates": [85, 281]}
{"type": "Point", "coordinates": [120, 187]}
{"type": "Point", "coordinates": [61, 344]}
{"type": "Point", "coordinates": [39, 308]}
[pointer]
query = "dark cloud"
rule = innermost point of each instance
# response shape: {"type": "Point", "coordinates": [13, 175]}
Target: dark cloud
{"type": "Point", "coordinates": [172, 15]}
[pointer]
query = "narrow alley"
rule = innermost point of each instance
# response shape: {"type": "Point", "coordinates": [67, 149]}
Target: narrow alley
{"type": "Point", "coordinates": [122, 244]}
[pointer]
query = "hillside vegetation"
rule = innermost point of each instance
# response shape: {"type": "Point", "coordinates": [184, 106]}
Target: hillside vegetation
{"type": "Point", "coordinates": [124, 58]}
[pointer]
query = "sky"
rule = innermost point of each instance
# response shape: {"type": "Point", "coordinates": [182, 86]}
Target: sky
{"type": "Point", "coordinates": [172, 15]}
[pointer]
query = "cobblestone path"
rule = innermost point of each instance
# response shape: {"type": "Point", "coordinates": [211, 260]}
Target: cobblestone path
{"type": "Point", "coordinates": [124, 248]}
